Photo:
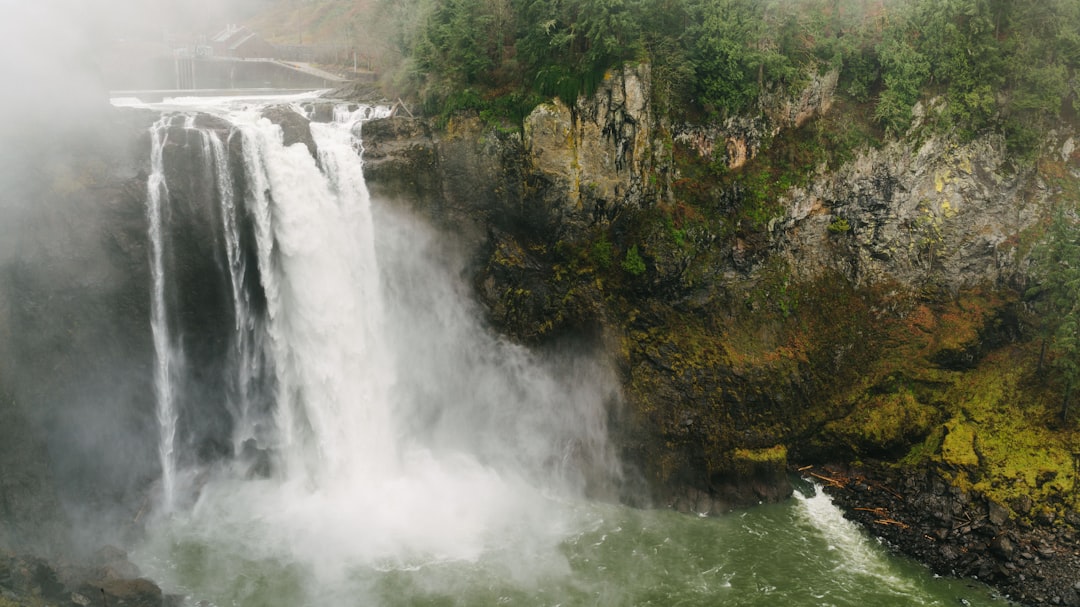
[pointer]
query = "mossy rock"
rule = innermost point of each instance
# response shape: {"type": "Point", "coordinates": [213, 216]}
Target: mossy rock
{"type": "Point", "coordinates": [884, 425]}
{"type": "Point", "coordinates": [958, 445]}
{"type": "Point", "coordinates": [760, 462]}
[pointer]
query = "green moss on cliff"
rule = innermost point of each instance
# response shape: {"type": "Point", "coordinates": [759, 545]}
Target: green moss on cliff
{"type": "Point", "coordinates": [999, 438]}
{"type": "Point", "coordinates": [882, 425]}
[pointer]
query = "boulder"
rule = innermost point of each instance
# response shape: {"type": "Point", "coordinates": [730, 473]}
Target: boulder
{"type": "Point", "coordinates": [295, 128]}
{"type": "Point", "coordinates": [139, 592]}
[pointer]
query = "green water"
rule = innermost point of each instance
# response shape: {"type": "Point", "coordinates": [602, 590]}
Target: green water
{"type": "Point", "coordinates": [800, 552]}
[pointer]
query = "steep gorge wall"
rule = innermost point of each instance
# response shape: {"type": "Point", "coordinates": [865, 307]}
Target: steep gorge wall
{"type": "Point", "coordinates": [76, 351]}
{"type": "Point", "coordinates": [73, 361]}
{"type": "Point", "coordinates": [739, 347]}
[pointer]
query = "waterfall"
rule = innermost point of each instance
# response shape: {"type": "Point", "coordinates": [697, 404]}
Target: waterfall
{"type": "Point", "coordinates": [248, 355]}
{"type": "Point", "coordinates": [164, 349]}
{"type": "Point", "coordinates": [318, 269]}
{"type": "Point", "coordinates": [395, 426]}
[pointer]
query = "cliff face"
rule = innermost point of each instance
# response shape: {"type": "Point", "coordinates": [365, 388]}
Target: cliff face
{"type": "Point", "coordinates": [937, 214]}
{"type": "Point", "coordinates": [833, 322]}
{"type": "Point", "coordinates": [73, 303]}
{"type": "Point", "coordinates": [76, 349]}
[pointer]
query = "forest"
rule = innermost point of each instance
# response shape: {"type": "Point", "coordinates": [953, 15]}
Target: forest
{"type": "Point", "coordinates": [999, 64]}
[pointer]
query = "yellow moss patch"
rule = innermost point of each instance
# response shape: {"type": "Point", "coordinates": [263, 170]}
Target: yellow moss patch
{"type": "Point", "coordinates": [884, 422]}
{"type": "Point", "coordinates": [958, 446]}
{"type": "Point", "coordinates": [771, 455]}
{"type": "Point", "coordinates": [1002, 438]}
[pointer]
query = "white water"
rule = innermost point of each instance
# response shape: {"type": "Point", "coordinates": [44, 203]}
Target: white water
{"type": "Point", "coordinates": [164, 349]}
{"type": "Point", "coordinates": [402, 431]}
{"type": "Point", "coordinates": [855, 557]}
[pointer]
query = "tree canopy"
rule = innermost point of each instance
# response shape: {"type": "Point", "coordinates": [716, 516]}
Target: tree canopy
{"type": "Point", "coordinates": [998, 64]}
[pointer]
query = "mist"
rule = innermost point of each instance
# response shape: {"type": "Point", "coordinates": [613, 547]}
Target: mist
{"type": "Point", "coordinates": [400, 431]}
{"type": "Point", "coordinates": [73, 296]}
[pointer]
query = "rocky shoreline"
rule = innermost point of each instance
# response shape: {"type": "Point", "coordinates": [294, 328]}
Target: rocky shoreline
{"type": "Point", "coordinates": [105, 579]}
{"type": "Point", "coordinates": [1027, 554]}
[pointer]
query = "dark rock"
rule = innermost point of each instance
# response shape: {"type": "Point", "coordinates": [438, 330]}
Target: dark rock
{"type": "Point", "coordinates": [997, 513]}
{"type": "Point", "coordinates": [1002, 547]}
{"type": "Point", "coordinates": [1021, 562]}
{"type": "Point", "coordinates": [32, 576]}
{"type": "Point", "coordinates": [1045, 517]}
{"type": "Point", "coordinates": [295, 128]}
{"type": "Point", "coordinates": [1021, 505]}
{"type": "Point", "coordinates": [138, 592]}
{"type": "Point", "coordinates": [111, 563]}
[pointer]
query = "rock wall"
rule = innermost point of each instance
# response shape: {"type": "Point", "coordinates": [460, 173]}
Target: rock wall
{"type": "Point", "coordinates": [940, 215]}
{"type": "Point", "coordinates": [729, 339]}
{"type": "Point", "coordinates": [600, 155]}
{"type": "Point", "coordinates": [76, 351]}
{"type": "Point", "coordinates": [72, 308]}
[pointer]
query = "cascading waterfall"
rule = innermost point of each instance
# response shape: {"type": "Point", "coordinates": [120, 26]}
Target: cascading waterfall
{"type": "Point", "coordinates": [395, 414]}
{"type": "Point", "coordinates": [164, 349]}
{"type": "Point", "coordinates": [248, 356]}
{"type": "Point", "coordinates": [324, 304]}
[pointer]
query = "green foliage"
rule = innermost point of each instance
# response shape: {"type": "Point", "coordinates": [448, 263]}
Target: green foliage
{"type": "Point", "coordinates": [905, 70]}
{"type": "Point", "coordinates": [997, 65]}
{"type": "Point", "coordinates": [602, 252]}
{"type": "Point", "coordinates": [633, 263]}
{"type": "Point", "coordinates": [724, 59]}
{"type": "Point", "coordinates": [1001, 65]}
{"type": "Point", "coordinates": [839, 226]}
{"type": "Point", "coordinates": [566, 46]}
{"type": "Point", "coordinates": [1058, 264]}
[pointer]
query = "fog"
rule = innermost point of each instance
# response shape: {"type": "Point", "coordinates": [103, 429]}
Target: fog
{"type": "Point", "coordinates": [484, 429]}
{"type": "Point", "coordinates": [73, 310]}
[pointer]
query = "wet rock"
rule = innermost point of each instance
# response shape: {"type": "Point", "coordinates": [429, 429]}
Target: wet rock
{"type": "Point", "coordinates": [1021, 562]}
{"type": "Point", "coordinates": [1045, 517]}
{"type": "Point", "coordinates": [111, 563]}
{"type": "Point", "coordinates": [31, 576]}
{"type": "Point", "coordinates": [295, 128]}
{"type": "Point", "coordinates": [997, 513]}
{"type": "Point", "coordinates": [138, 592]}
{"type": "Point", "coordinates": [1021, 505]}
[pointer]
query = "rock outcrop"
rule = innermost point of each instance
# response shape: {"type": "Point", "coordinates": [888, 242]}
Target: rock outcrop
{"type": "Point", "coordinates": [897, 266]}
{"type": "Point", "coordinates": [943, 215]}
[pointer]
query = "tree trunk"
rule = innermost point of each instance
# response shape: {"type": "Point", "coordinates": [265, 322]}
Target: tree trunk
{"type": "Point", "coordinates": [1042, 357]}
{"type": "Point", "coordinates": [1065, 404]}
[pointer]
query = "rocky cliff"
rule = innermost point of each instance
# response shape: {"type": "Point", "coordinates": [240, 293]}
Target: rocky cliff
{"type": "Point", "coordinates": [775, 289]}
{"type": "Point", "coordinates": [782, 287]}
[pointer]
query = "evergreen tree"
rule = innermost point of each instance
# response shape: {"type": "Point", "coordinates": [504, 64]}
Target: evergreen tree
{"type": "Point", "coordinates": [1058, 267]}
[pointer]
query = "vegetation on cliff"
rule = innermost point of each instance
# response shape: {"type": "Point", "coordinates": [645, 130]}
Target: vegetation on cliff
{"type": "Point", "coordinates": [1000, 65]}
{"type": "Point", "coordinates": [726, 344]}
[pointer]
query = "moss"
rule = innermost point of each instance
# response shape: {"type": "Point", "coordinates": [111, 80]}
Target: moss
{"type": "Point", "coordinates": [776, 455]}
{"type": "Point", "coordinates": [884, 424]}
{"type": "Point", "coordinates": [839, 226]}
{"type": "Point", "coordinates": [999, 440]}
{"type": "Point", "coordinates": [633, 264]}
{"type": "Point", "coordinates": [958, 445]}
{"type": "Point", "coordinates": [1020, 453]}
